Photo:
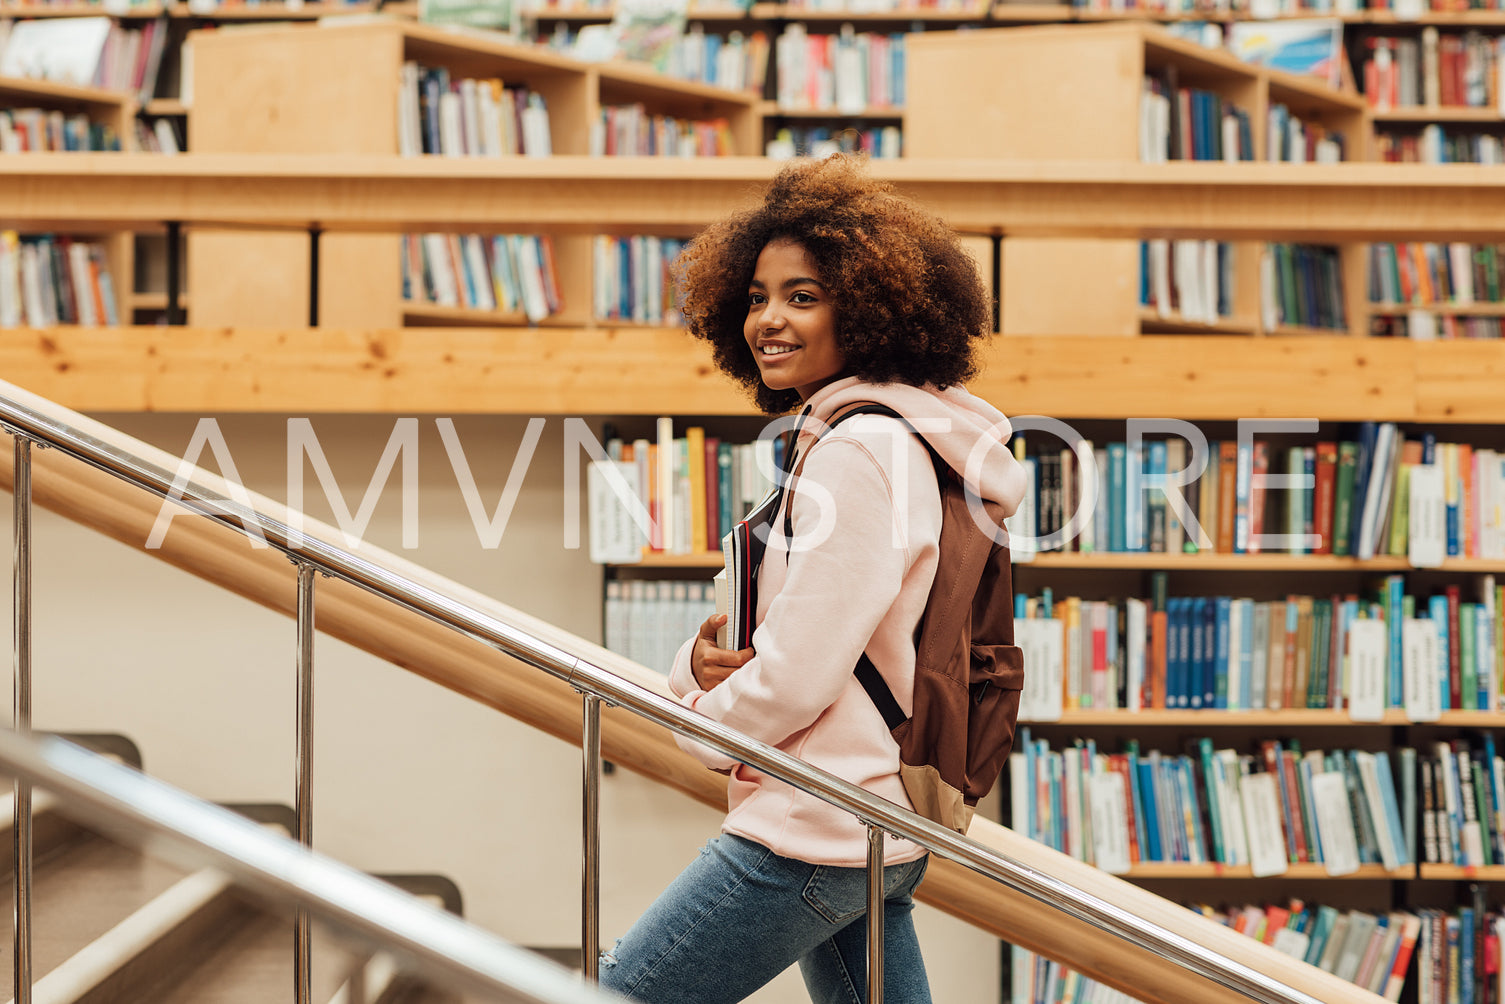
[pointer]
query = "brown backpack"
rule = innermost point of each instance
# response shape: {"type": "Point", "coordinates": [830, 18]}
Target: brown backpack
{"type": "Point", "coordinates": [968, 671]}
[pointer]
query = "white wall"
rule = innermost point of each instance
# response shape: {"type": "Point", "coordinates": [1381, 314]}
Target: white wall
{"type": "Point", "coordinates": [408, 776]}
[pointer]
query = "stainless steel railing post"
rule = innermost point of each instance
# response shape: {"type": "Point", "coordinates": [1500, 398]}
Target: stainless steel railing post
{"type": "Point", "coordinates": [303, 809]}
{"type": "Point", "coordinates": [874, 914]}
{"type": "Point", "coordinates": [21, 491]}
{"type": "Point", "coordinates": [590, 892]}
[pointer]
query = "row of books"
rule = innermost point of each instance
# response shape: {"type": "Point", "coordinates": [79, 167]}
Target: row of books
{"type": "Point", "coordinates": [1452, 70]}
{"type": "Point", "coordinates": [848, 72]}
{"type": "Point", "coordinates": [1188, 279]}
{"type": "Point", "coordinates": [87, 51]}
{"type": "Point", "coordinates": [1463, 803]}
{"type": "Point", "coordinates": [632, 131]}
{"type": "Point", "coordinates": [737, 61]}
{"type": "Point", "coordinates": [1426, 325]}
{"type": "Point", "coordinates": [1447, 957]}
{"type": "Point", "coordinates": [1290, 139]}
{"type": "Point", "coordinates": [47, 280]}
{"type": "Point", "coordinates": [647, 620]}
{"type": "Point", "coordinates": [1185, 123]}
{"type": "Point", "coordinates": [159, 135]}
{"type": "Point", "coordinates": [468, 117]}
{"type": "Point", "coordinates": [1383, 649]}
{"type": "Point", "coordinates": [1379, 493]}
{"type": "Point", "coordinates": [505, 272]}
{"type": "Point", "coordinates": [1432, 274]}
{"type": "Point", "coordinates": [1436, 145]}
{"type": "Point", "coordinates": [822, 141]}
{"type": "Point", "coordinates": [634, 281]}
{"type": "Point", "coordinates": [692, 488]}
{"type": "Point", "coordinates": [918, 7]}
{"type": "Point", "coordinates": [31, 130]}
{"type": "Point", "coordinates": [1267, 809]}
{"type": "Point", "coordinates": [1302, 284]}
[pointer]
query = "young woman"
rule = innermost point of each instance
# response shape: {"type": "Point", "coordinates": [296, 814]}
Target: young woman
{"type": "Point", "coordinates": [835, 290]}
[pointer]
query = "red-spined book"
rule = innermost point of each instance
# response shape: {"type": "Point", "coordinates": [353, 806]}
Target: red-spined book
{"type": "Point", "coordinates": [1292, 786]}
{"type": "Point", "coordinates": [1410, 928]}
{"type": "Point", "coordinates": [1324, 492]}
{"type": "Point", "coordinates": [1118, 763]}
{"type": "Point", "coordinates": [1257, 496]}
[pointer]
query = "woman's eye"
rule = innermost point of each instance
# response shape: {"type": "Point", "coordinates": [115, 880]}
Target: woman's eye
{"type": "Point", "coordinates": [802, 297]}
{"type": "Point", "coordinates": [753, 299]}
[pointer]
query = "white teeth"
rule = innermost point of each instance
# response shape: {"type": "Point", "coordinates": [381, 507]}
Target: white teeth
{"type": "Point", "coordinates": [776, 350]}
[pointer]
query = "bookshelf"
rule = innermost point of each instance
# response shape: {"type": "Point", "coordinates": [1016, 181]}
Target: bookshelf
{"type": "Point", "coordinates": [294, 105]}
{"type": "Point", "coordinates": [1094, 113]}
{"type": "Point", "coordinates": [115, 112]}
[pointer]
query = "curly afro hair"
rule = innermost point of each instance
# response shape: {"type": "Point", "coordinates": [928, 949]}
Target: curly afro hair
{"type": "Point", "coordinates": [910, 306]}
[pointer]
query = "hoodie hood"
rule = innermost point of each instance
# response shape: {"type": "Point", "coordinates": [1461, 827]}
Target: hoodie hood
{"type": "Point", "coordinates": [972, 436]}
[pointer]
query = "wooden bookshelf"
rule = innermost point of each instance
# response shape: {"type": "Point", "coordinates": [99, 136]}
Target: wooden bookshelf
{"type": "Point", "coordinates": [1152, 323]}
{"type": "Point", "coordinates": [165, 106]}
{"type": "Point", "coordinates": [646, 371]}
{"type": "Point", "coordinates": [1295, 870]}
{"type": "Point", "coordinates": [1094, 115]}
{"type": "Point", "coordinates": [275, 11]}
{"type": "Point", "coordinates": [293, 104]}
{"type": "Point", "coordinates": [143, 12]}
{"type": "Point", "coordinates": [1440, 114]}
{"type": "Point", "coordinates": [1456, 309]}
{"type": "Point", "coordinates": [1462, 873]}
{"type": "Point", "coordinates": [772, 109]}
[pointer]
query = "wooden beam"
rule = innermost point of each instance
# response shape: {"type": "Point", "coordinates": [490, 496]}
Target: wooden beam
{"type": "Point", "coordinates": [95, 499]}
{"type": "Point", "coordinates": [1324, 202]}
{"type": "Point", "coordinates": [654, 371]}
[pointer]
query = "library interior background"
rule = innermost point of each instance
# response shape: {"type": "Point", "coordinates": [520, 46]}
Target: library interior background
{"type": "Point", "coordinates": [405, 266]}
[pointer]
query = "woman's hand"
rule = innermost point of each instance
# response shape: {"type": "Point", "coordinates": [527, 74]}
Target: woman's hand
{"type": "Point", "coordinates": [710, 663]}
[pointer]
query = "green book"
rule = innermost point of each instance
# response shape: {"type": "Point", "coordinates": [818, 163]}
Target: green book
{"type": "Point", "coordinates": [1318, 679]}
{"type": "Point", "coordinates": [1400, 513]}
{"type": "Point", "coordinates": [1491, 273]}
{"type": "Point", "coordinates": [1348, 461]}
{"type": "Point", "coordinates": [1482, 798]}
{"type": "Point", "coordinates": [1214, 811]}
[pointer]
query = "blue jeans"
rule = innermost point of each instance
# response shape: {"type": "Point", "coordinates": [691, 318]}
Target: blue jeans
{"type": "Point", "coordinates": [740, 914]}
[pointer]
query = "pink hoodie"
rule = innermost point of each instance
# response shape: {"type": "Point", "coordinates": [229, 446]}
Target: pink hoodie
{"type": "Point", "coordinates": [853, 582]}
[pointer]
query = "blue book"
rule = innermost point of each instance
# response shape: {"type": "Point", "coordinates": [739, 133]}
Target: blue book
{"type": "Point", "coordinates": [1243, 479]}
{"type": "Point", "coordinates": [1466, 962]}
{"type": "Point", "coordinates": [1211, 670]}
{"type": "Point", "coordinates": [1155, 494]}
{"type": "Point", "coordinates": [1134, 498]}
{"type": "Point", "coordinates": [1214, 814]}
{"type": "Point", "coordinates": [1148, 808]}
{"type": "Point", "coordinates": [1029, 825]}
{"type": "Point", "coordinates": [1194, 659]}
{"type": "Point", "coordinates": [1131, 753]}
{"type": "Point", "coordinates": [1117, 489]}
{"type": "Point", "coordinates": [1246, 653]}
{"type": "Point", "coordinates": [1368, 431]}
{"type": "Point", "coordinates": [1494, 794]}
{"type": "Point", "coordinates": [1197, 851]}
{"type": "Point", "coordinates": [1021, 606]}
{"type": "Point", "coordinates": [1437, 610]}
{"type": "Point", "coordinates": [1222, 618]}
{"type": "Point", "coordinates": [1395, 595]}
{"type": "Point", "coordinates": [1392, 804]}
{"type": "Point", "coordinates": [1428, 448]}
{"type": "Point", "coordinates": [1175, 684]}
{"type": "Point", "coordinates": [1057, 802]}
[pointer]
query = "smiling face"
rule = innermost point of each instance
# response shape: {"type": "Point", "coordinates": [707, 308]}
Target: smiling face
{"type": "Point", "coordinates": [791, 322]}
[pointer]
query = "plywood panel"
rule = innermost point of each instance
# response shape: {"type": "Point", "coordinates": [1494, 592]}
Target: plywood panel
{"type": "Point", "coordinates": [655, 371]}
{"type": "Point", "coordinates": [1070, 287]}
{"type": "Point", "coordinates": [1024, 93]}
{"type": "Point", "coordinates": [248, 280]}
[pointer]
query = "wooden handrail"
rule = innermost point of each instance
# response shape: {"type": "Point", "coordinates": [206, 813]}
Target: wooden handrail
{"type": "Point", "coordinates": [97, 500]}
{"type": "Point", "coordinates": [656, 371]}
{"type": "Point", "coordinates": [1320, 202]}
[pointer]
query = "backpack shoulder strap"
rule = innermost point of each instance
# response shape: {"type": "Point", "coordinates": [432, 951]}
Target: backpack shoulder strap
{"type": "Point", "coordinates": [867, 674]}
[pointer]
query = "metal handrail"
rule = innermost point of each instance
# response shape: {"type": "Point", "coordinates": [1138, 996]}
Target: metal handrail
{"type": "Point", "coordinates": [144, 811]}
{"type": "Point", "coordinates": [594, 681]}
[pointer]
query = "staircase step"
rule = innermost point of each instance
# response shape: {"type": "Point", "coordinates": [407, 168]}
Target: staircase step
{"type": "Point", "coordinates": [81, 891]}
{"type": "Point", "coordinates": [253, 963]}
